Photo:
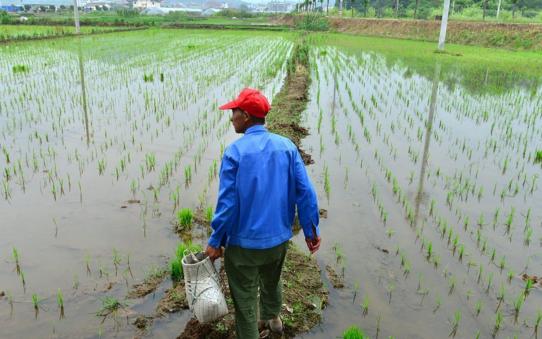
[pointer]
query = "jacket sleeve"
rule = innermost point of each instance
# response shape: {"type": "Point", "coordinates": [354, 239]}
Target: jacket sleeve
{"type": "Point", "coordinates": [306, 200]}
{"type": "Point", "coordinates": [227, 207]}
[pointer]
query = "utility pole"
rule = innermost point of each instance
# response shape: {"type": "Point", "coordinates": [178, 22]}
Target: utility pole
{"type": "Point", "coordinates": [443, 25]}
{"type": "Point", "coordinates": [76, 16]}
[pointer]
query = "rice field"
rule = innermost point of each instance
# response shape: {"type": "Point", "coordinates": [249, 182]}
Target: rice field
{"type": "Point", "coordinates": [25, 32]}
{"type": "Point", "coordinates": [108, 143]}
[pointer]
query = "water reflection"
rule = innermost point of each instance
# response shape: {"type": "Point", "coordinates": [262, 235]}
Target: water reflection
{"type": "Point", "coordinates": [428, 131]}
{"type": "Point", "coordinates": [83, 88]}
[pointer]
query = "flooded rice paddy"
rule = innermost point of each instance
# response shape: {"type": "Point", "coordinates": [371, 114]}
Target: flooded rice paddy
{"type": "Point", "coordinates": [431, 185]}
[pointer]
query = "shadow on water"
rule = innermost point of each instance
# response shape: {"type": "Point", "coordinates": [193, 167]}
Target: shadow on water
{"type": "Point", "coordinates": [83, 88]}
{"type": "Point", "coordinates": [429, 129]}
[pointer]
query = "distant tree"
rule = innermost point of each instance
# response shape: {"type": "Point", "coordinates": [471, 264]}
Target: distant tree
{"type": "Point", "coordinates": [514, 7]}
{"type": "Point", "coordinates": [27, 7]}
{"type": "Point", "coordinates": [365, 7]}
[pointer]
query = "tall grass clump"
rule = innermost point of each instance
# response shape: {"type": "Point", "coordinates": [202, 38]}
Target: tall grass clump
{"type": "Point", "coordinates": [354, 332]}
{"type": "Point", "coordinates": [175, 264]}
{"type": "Point", "coordinates": [185, 218]}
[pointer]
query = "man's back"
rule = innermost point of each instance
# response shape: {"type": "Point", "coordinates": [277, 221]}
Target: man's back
{"type": "Point", "coordinates": [262, 178]}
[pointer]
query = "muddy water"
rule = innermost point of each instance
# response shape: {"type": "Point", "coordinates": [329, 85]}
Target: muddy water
{"type": "Point", "coordinates": [444, 146]}
{"type": "Point", "coordinates": [374, 127]}
{"type": "Point", "coordinates": [94, 199]}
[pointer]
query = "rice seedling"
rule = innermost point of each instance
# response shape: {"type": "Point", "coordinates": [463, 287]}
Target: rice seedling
{"type": "Point", "coordinates": [187, 175]}
{"type": "Point", "coordinates": [209, 214]}
{"type": "Point", "coordinates": [451, 285]}
{"type": "Point", "coordinates": [15, 255]}
{"type": "Point", "coordinates": [528, 236]}
{"type": "Point", "coordinates": [429, 250]}
{"type": "Point", "coordinates": [327, 185]}
{"type": "Point", "coordinates": [390, 288]}
{"type": "Point", "coordinates": [438, 303]}
{"type": "Point", "coordinates": [500, 296]}
{"type": "Point", "coordinates": [502, 263]}
{"type": "Point", "coordinates": [478, 307]}
{"type": "Point", "coordinates": [116, 260]}
{"type": "Point", "coordinates": [455, 324]}
{"type": "Point", "coordinates": [510, 276]}
{"type": "Point", "coordinates": [185, 218]}
{"type": "Point", "coordinates": [75, 283]}
{"type": "Point", "coordinates": [19, 69]}
{"type": "Point", "coordinates": [489, 282]}
{"type": "Point", "coordinates": [498, 323]}
{"type": "Point", "coordinates": [36, 303]}
{"type": "Point", "coordinates": [101, 167]}
{"type": "Point", "coordinates": [176, 269]}
{"type": "Point", "coordinates": [23, 281]}
{"type": "Point", "coordinates": [389, 232]}
{"type": "Point", "coordinates": [60, 303]}
{"type": "Point", "coordinates": [110, 305]}
{"type": "Point", "coordinates": [538, 156]}
{"type": "Point", "coordinates": [355, 292]}
{"type": "Point", "coordinates": [518, 304]}
{"type": "Point", "coordinates": [537, 323]}
{"type": "Point", "coordinates": [529, 284]}
{"type": "Point", "coordinates": [510, 220]}
{"type": "Point", "coordinates": [353, 332]}
{"type": "Point", "coordinates": [365, 305]}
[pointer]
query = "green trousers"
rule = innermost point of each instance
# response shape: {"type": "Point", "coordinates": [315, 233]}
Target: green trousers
{"type": "Point", "coordinates": [248, 271]}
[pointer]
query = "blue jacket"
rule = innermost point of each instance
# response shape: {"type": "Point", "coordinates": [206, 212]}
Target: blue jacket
{"type": "Point", "coordinates": [262, 179]}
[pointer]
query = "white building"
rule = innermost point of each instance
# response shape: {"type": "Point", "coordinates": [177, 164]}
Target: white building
{"type": "Point", "coordinates": [143, 4]}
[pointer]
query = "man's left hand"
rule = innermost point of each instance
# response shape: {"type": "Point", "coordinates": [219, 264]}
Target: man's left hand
{"type": "Point", "coordinates": [213, 253]}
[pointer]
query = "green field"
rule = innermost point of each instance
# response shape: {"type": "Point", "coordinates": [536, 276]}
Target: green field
{"type": "Point", "coordinates": [25, 32]}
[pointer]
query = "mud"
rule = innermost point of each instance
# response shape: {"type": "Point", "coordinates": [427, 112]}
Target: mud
{"type": "Point", "coordinates": [146, 287]}
{"type": "Point", "coordinates": [173, 301]}
{"type": "Point", "coordinates": [336, 280]}
{"type": "Point", "coordinates": [288, 105]}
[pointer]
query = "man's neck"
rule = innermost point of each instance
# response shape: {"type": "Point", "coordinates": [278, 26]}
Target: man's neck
{"type": "Point", "coordinates": [252, 124]}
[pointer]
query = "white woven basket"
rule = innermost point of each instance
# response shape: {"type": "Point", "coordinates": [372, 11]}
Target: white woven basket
{"type": "Point", "coordinates": [202, 284]}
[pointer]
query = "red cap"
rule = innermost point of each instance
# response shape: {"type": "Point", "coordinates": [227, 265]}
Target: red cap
{"type": "Point", "coordinates": [251, 101]}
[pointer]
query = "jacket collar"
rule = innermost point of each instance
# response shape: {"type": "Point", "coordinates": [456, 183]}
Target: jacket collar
{"type": "Point", "coordinates": [255, 129]}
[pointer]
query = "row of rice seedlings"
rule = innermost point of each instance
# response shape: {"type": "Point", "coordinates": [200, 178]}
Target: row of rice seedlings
{"type": "Point", "coordinates": [461, 247]}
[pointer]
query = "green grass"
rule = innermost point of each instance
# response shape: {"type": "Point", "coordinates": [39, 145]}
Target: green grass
{"type": "Point", "coordinates": [354, 332]}
{"type": "Point", "coordinates": [176, 263]}
{"type": "Point", "coordinates": [472, 64]}
{"type": "Point", "coordinates": [24, 32]}
{"type": "Point", "coordinates": [185, 218]}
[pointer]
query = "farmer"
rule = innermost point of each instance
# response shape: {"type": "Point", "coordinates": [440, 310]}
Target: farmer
{"type": "Point", "coordinates": [262, 179]}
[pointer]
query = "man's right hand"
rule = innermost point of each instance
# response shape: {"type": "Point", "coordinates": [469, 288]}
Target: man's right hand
{"type": "Point", "coordinates": [313, 244]}
{"type": "Point", "coordinates": [213, 253]}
